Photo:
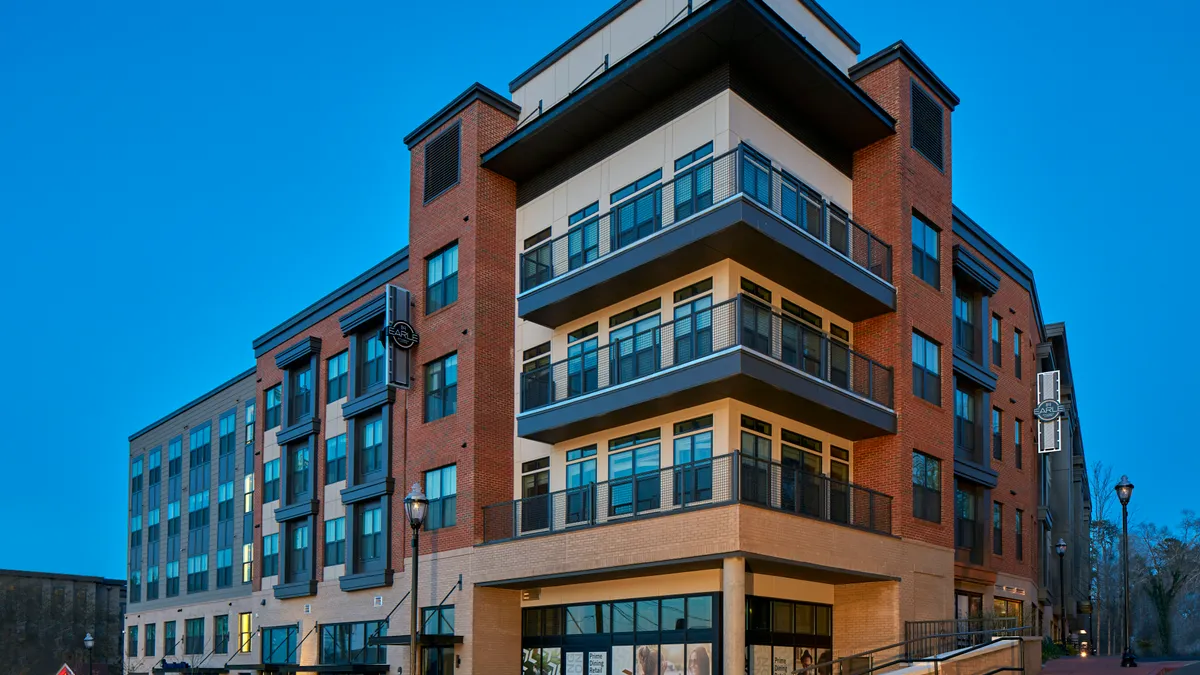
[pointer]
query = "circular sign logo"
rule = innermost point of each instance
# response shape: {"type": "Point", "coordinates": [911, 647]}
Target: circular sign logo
{"type": "Point", "coordinates": [1048, 411]}
{"type": "Point", "coordinates": [403, 335]}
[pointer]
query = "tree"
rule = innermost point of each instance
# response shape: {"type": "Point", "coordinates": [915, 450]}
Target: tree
{"type": "Point", "coordinates": [1105, 539]}
{"type": "Point", "coordinates": [1172, 567]}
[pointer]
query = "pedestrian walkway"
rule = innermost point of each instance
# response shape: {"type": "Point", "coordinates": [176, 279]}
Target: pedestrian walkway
{"type": "Point", "coordinates": [1111, 665]}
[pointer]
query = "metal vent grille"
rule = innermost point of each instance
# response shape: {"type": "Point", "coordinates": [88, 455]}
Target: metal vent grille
{"type": "Point", "coordinates": [442, 162]}
{"type": "Point", "coordinates": [927, 126]}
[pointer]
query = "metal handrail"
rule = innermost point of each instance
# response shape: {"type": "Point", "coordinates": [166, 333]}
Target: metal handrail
{"type": "Point", "coordinates": [846, 665]}
{"type": "Point", "coordinates": [692, 190]}
{"type": "Point", "coordinates": [724, 479]}
{"type": "Point", "coordinates": [739, 321]}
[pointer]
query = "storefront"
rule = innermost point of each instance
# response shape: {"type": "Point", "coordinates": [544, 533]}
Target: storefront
{"type": "Point", "coordinates": [783, 636]}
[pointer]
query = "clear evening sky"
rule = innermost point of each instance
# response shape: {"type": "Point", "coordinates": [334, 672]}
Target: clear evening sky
{"type": "Point", "coordinates": [154, 155]}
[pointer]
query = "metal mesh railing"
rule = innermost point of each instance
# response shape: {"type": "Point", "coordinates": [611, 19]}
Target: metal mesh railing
{"type": "Point", "coordinates": [709, 182]}
{"type": "Point", "coordinates": [924, 639]}
{"type": "Point", "coordinates": [738, 321]}
{"type": "Point", "coordinates": [724, 479]}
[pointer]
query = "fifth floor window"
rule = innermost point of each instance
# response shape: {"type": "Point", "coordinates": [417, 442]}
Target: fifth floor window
{"type": "Point", "coordinates": [441, 279]}
{"type": "Point", "coordinates": [925, 252]}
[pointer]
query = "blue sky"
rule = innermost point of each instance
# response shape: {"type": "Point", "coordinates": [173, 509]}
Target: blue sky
{"type": "Point", "coordinates": [150, 153]}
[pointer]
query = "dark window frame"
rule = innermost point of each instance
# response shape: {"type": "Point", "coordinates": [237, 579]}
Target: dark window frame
{"type": "Point", "coordinates": [927, 384]}
{"type": "Point", "coordinates": [927, 494]}
{"type": "Point", "coordinates": [926, 267]}
{"type": "Point", "coordinates": [443, 292]}
{"type": "Point", "coordinates": [443, 392]}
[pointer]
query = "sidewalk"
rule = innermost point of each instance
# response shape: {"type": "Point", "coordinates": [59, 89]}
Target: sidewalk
{"type": "Point", "coordinates": [1110, 665]}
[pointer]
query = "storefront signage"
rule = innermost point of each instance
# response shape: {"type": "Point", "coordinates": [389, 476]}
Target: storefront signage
{"type": "Point", "coordinates": [1048, 411]}
{"type": "Point", "coordinates": [597, 663]}
{"type": "Point", "coordinates": [574, 663]}
{"type": "Point", "coordinates": [403, 335]}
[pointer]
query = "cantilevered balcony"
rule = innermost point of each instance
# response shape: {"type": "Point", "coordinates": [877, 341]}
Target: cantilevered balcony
{"type": "Point", "coordinates": [739, 349]}
{"type": "Point", "coordinates": [726, 479]}
{"type": "Point", "coordinates": [734, 206]}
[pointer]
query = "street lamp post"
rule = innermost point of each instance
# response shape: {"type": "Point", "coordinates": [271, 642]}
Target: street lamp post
{"type": "Point", "coordinates": [415, 507]}
{"type": "Point", "coordinates": [1061, 549]}
{"type": "Point", "coordinates": [88, 643]}
{"type": "Point", "coordinates": [1124, 492]}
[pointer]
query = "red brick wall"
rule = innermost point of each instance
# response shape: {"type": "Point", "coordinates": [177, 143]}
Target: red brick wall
{"type": "Point", "coordinates": [890, 181]}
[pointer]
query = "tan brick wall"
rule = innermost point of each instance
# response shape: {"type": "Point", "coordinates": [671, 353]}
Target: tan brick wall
{"type": "Point", "coordinates": [866, 616]}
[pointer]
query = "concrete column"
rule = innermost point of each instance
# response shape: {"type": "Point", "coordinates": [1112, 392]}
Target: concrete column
{"type": "Point", "coordinates": [733, 617]}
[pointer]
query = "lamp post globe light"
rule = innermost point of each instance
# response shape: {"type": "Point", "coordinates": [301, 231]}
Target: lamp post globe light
{"type": "Point", "coordinates": [88, 643]}
{"type": "Point", "coordinates": [1061, 549]}
{"type": "Point", "coordinates": [416, 505]}
{"type": "Point", "coordinates": [1124, 492]}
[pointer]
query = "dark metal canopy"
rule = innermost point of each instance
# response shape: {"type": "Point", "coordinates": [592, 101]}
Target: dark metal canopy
{"type": "Point", "coordinates": [423, 640]}
{"type": "Point", "coordinates": [801, 90]}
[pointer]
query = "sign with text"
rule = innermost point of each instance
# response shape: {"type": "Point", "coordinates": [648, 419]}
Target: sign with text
{"type": "Point", "coordinates": [1049, 411]}
{"type": "Point", "coordinates": [597, 663]}
{"type": "Point", "coordinates": [399, 336]}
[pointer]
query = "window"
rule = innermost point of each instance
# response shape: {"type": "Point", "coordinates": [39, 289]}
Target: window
{"type": "Point", "coordinates": [927, 487]}
{"type": "Point", "coordinates": [964, 321]}
{"type": "Point", "coordinates": [279, 644]}
{"type": "Point", "coordinates": [248, 451]}
{"type": "Point", "coordinates": [131, 648]}
{"type": "Point", "coordinates": [1004, 607]}
{"type": "Point", "coordinates": [247, 562]}
{"type": "Point", "coordinates": [224, 567]}
{"type": "Point", "coordinates": [636, 186]}
{"type": "Point", "coordinates": [221, 634]}
{"type": "Point", "coordinates": [927, 126]}
{"type": "Point", "coordinates": [152, 581]}
{"type": "Point", "coordinates": [1017, 353]}
{"type": "Point", "coordinates": [194, 636]}
{"type": "Point", "coordinates": [633, 474]}
{"type": "Point", "coordinates": [173, 576]}
{"type": "Point", "coordinates": [995, 340]}
{"type": "Point", "coordinates": [442, 162]}
{"type": "Point", "coordinates": [169, 640]}
{"type": "Point", "coordinates": [535, 377]}
{"type": "Point", "coordinates": [344, 643]}
{"type": "Point", "coordinates": [441, 388]}
{"type": "Point", "coordinates": [964, 423]}
{"type": "Point", "coordinates": [965, 534]}
{"type": "Point", "coordinates": [693, 460]}
{"type": "Point", "coordinates": [135, 585]}
{"type": "Point", "coordinates": [1019, 534]}
{"type": "Point", "coordinates": [271, 481]}
{"type": "Point", "coordinates": [636, 211]}
{"type": "Point", "coordinates": [441, 279]}
{"type": "Point", "coordinates": [274, 397]}
{"type": "Point", "coordinates": [298, 471]}
{"type": "Point", "coordinates": [441, 486]}
{"type": "Point", "coordinates": [154, 466]}
{"type": "Point", "coordinates": [581, 475]}
{"type": "Point", "coordinates": [693, 182]}
{"type": "Point", "coordinates": [270, 561]}
{"type": "Point", "coordinates": [1017, 454]}
{"type": "Point", "coordinates": [583, 239]}
{"type": "Point", "coordinates": [300, 398]}
{"type": "Point", "coordinates": [927, 379]}
{"type": "Point", "coordinates": [370, 447]}
{"type": "Point", "coordinates": [437, 620]}
{"type": "Point", "coordinates": [997, 435]}
{"type": "Point", "coordinates": [335, 541]}
{"type": "Point", "coordinates": [151, 638]}
{"type": "Point", "coordinates": [582, 361]}
{"type": "Point", "coordinates": [997, 528]}
{"type": "Point", "coordinates": [370, 538]}
{"type": "Point", "coordinates": [335, 459]}
{"type": "Point", "coordinates": [299, 556]}
{"type": "Point", "coordinates": [197, 573]}
{"type": "Point", "coordinates": [371, 356]}
{"type": "Point", "coordinates": [245, 632]}
{"type": "Point", "coordinates": [925, 252]}
{"type": "Point", "coordinates": [336, 373]}
{"type": "Point", "coordinates": [535, 486]}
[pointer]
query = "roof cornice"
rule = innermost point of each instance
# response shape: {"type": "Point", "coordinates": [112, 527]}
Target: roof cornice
{"type": "Point", "coordinates": [475, 92]}
{"type": "Point", "coordinates": [899, 50]}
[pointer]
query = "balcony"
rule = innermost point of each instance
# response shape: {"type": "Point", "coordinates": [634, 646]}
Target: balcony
{"type": "Point", "coordinates": [739, 349]}
{"type": "Point", "coordinates": [722, 480]}
{"type": "Point", "coordinates": [734, 206]}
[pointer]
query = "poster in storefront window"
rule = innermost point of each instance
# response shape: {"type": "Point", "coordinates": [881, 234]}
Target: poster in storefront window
{"type": "Point", "coordinates": [672, 660]}
{"type": "Point", "coordinates": [646, 660]}
{"type": "Point", "coordinates": [622, 660]}
{"type": "Point", "coordinates": [551, 661]}
{"type": "Point", "coordinates": [699, 660]}
{"type": "Point", "coordinates": [804, 658]}
{"type": "Point", "coordinates": [574, 663]}
{"type": "Point", "coordinates": [760, 660]}
{"type": "Point", "coordinates": [597, 663]}
{"type": "Point", "coordinates": [781, 663]}
{"type": "Point", "coordinates": [531, 661]}
{"type": "Point", "coordinates": [825, 656]}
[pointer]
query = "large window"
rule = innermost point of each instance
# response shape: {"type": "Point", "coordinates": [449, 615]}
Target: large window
{"type": "Point", "coordinates": [372, 357]}
{"type": "Point", "coordinates": [169, 639]}
{"type": "Point", "coordinates": [197, 579]}
{"type": "Point", "coordinates": [693, 460]}
{"type": "Point", "coordinates": [996, 347]}
{"type": "Point", "coordinates": [270, 562]}
{"type": "Point", "coordinates": [274, 396]}
{"type": "Point", "coordinates": [787, 635]}
{"type": "Point", "coordinates": [966, 530]}
{"type": "Point", "coordinates": [927, 378]}
{"type": "Point", "coordinates": [371, 448]}
{"type": "Point", "coordinates": [344, 643]}
{"type": "Point", "coordinates": [194, 631]}
{"type": "Point", "coordinates": [693, 182]}
{"type": "Point", "coordinates": [925, 257]}
{"type": "Point", "coordinates": [221, 634]}
{"type": "Point", "coordinates": [247, 562]}
{"type": "Point", "coordinates": [299, 471]}
{"type": "Point", "coordinates": [336, 377]}
{"type": "Point", "coordinates": [300, 399]}
{"type": "Point", "coordinates": [335, 459]}
{"type": "Point", "coordinates": [633, 476]}
{"type": "Point", "coordinates": [150, 639]}
{"type": "Point", "coordinates": [441, 487]}
{"type": "Point", "coordinates": [997, 435]}
{"type": "Point", "coordinates": [964, 321]}
{"type": "Point", "coordinates": [441, 388]}
{"type": "Point", "coordinates": [927, 487]}
{"type": "Point", "coordinates": [131, 648]}
{"type": "Point", "coordinates": [441, 279]}
{"type": "Point", "coordinates": [335, 541]}
{"type": "Point", "coordinates": [245, 632]}
{"type": "Point", "coordinates": [279, 644]}
{"type": "Point", "coordinates": [172, 576]}
{"type": "Point", "coordinates": [437, 620]}
{"type": "Point", "coordinates": [964, 424]}
{"type": "Point", "coordinates": [270, 481]}
{"type": "Point", "coordinates": [299, 555]}
{"type": "Point", "coordinates": [370, 534]}
{"type": "Point", "coordinates": [997, 528]}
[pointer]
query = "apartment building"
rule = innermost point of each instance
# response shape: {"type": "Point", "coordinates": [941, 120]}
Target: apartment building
{"type": "Point", "coordinates": [711, 374]}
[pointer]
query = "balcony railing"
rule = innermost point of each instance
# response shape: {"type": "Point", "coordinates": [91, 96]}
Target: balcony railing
{"type": "Point", "coordinates": [738, 321]}
{"type": "Point", "coordinates": [709, 182]}
{"type": "Point", "coordinates": [725, 479]}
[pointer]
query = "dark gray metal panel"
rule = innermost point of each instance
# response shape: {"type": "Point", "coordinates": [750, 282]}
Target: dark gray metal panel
{"type": "Point", "coordinates": [372, 490]}
{"type": "Point", "coordinates": [307, 346]}
{"type": "Point", "coordinates": [369, 311]}
{"type": "Point", "coordinates": [364, 404]}
{"type": "Point", "coordinates": [358, 582]}
{"type": "Point", "coordinates": [294, 511]}
{"type": "Point", "coordinates": [298, 431]}
{"type": "Point", "coordinates": [738, 229]}
{"type": "Point", "coordinates": [976, 473]}
{"type": "Point", "coordinates": [738, 373]}
{"type": "Point", "coordinates": [975, 270]}
{"type": "Point", "coordinates": [978, 374]}
{"type": "Point", "coordinates": [298, 589]}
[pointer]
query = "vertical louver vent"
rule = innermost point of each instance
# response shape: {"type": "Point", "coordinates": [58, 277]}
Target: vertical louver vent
{"type": "Point", "coordinates": [927, 126]}
{"type": "Point", "coordinates": [442, 162]}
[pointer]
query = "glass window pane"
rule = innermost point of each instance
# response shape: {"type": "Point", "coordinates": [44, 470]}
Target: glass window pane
{"type": "Point", "coordinates": [672, 614]}
{"type": "Point", "coordinates": [699, 612]}
{"type": "Point", "coordinates": [781, 617]}
{"type": "Point", "coordinates": [622, 617]}
{"type": "Point", "coordinates": [647, 615]}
